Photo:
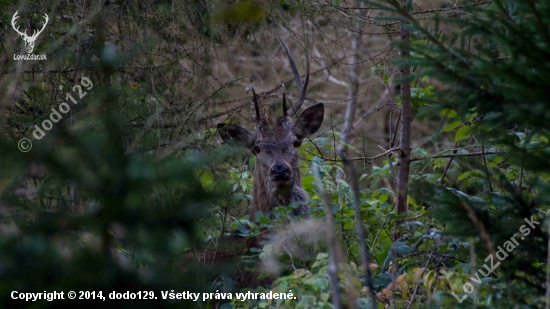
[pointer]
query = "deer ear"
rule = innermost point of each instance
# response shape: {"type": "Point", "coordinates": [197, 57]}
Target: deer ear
{"type": "Point", "coordinates": [309, 121]}
{"type": "Point", "coordinates": [235, 135]}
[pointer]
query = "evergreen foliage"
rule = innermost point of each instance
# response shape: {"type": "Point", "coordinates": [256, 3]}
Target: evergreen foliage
{"type": "Point", "coordinates": [132, 191]}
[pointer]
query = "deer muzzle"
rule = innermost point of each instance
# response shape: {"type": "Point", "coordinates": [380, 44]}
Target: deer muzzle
{"type": "Point", "coordinates": [280, 173]}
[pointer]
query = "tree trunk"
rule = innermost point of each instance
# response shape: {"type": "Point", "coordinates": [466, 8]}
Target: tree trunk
{"type": "Point", "coordinates": [352, 91]}
{"type": "Point", "coordinates": [406, 117]}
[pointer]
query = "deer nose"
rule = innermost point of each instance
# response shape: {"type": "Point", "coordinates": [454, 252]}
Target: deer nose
{"type": "Point", "coordinates": [281, 172]}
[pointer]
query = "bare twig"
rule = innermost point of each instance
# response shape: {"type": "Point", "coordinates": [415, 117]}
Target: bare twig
{"type": "Point", "coordinates": [359, 227]}
{"type": "Point", "coordinates": [548, 271]}
{"type": "Point", "coordinates": [385, 153]}
{"type": "Point", "coordinates": [480, 227]}
{"type": "Point", "coordinates": [448, 166]}
{"type": "Point", "coordinates": [486, 165]}
{"type": "Point", "coordinates": [372, 112]}
{"type": "Point", "coordinates": [333, 251]}
{"type": "Point", "coordinates": [353, 88]}
{"type": "Point", "coordinates": [421, 275]}
{"type": "Point", "coordinates": [471, 154]}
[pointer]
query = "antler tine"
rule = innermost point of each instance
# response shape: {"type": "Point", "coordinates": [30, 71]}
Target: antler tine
{"type": "Point", "coordinates": [302, 96]}
{"type": "Point", "coordinates": [13, 24]}
{"type": "Point", "coordinates": [292, 64]}
{"type": "Point", "coordinates": [285, 112]}
{"type": "Point", "coordinates": [256, 105]}
{"type": "Point", "coordinates": [36, 32]}
{"type": "Point", "coordinates": [302, 87]}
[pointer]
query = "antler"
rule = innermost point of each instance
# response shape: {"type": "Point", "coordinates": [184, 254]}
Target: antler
{"type": "Point", "coordinates": [35, 33]}
{"type": "Point", "coordinates": [256, 104]}
{"type": "Point", "coordinates": [13, 25]}
{"type": "Point", "coordinates": [303, 87]}
{"type": "Point", "coordinates": [285, 112]}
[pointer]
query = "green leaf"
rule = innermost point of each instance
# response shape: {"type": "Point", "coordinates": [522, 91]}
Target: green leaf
{"type": "Point", "coordinates": [308, 182]}
{"type": "Point", "coordinates": [207, 178]}
{"type": "Point", "coordinates": [243, 184]}
{"type": "Point", "coordinates": [471, 174]}
{"type": "Point", "coordinates": [463, 133]}
{"type": "Point", "coordinates": [321, 140]}
{"type": "Point", "coordinates": [449, 113]}
{"type": "Point", "coordinates": [451, 126]}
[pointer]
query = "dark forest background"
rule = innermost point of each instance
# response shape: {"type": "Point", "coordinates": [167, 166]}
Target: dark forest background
{"type": "Point", "coordinates": [435, 141]}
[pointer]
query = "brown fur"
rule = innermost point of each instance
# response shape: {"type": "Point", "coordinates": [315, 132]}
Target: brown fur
{"type": "Point", "coordinates": [277, 141]}
{"type": "Point", "coordinates": [273, 146]}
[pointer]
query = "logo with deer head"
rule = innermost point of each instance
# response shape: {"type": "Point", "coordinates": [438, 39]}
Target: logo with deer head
{"type": "Point", "coordinates": [29, 39]}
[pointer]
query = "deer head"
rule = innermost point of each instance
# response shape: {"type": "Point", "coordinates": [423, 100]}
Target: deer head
{"type": "Point", "coordinates": [29, 40]}
{"type": "Point", "coordinates": [277, 179]}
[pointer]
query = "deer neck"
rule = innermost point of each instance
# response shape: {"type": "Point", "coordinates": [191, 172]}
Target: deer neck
{"type": "Point", "coordinates": [289, 195]}
{"type": "Point", "coordinates": [264, 200]}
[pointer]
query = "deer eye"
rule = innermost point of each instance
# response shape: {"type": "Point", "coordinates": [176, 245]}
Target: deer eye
{"type": "Point", "coordinates": [296, 143]}
{"type": "Point", "coordinates": [256, 150]}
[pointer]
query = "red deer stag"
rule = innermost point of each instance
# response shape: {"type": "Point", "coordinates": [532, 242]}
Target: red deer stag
{"type": "Point", "coordinates": [277, 179]}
